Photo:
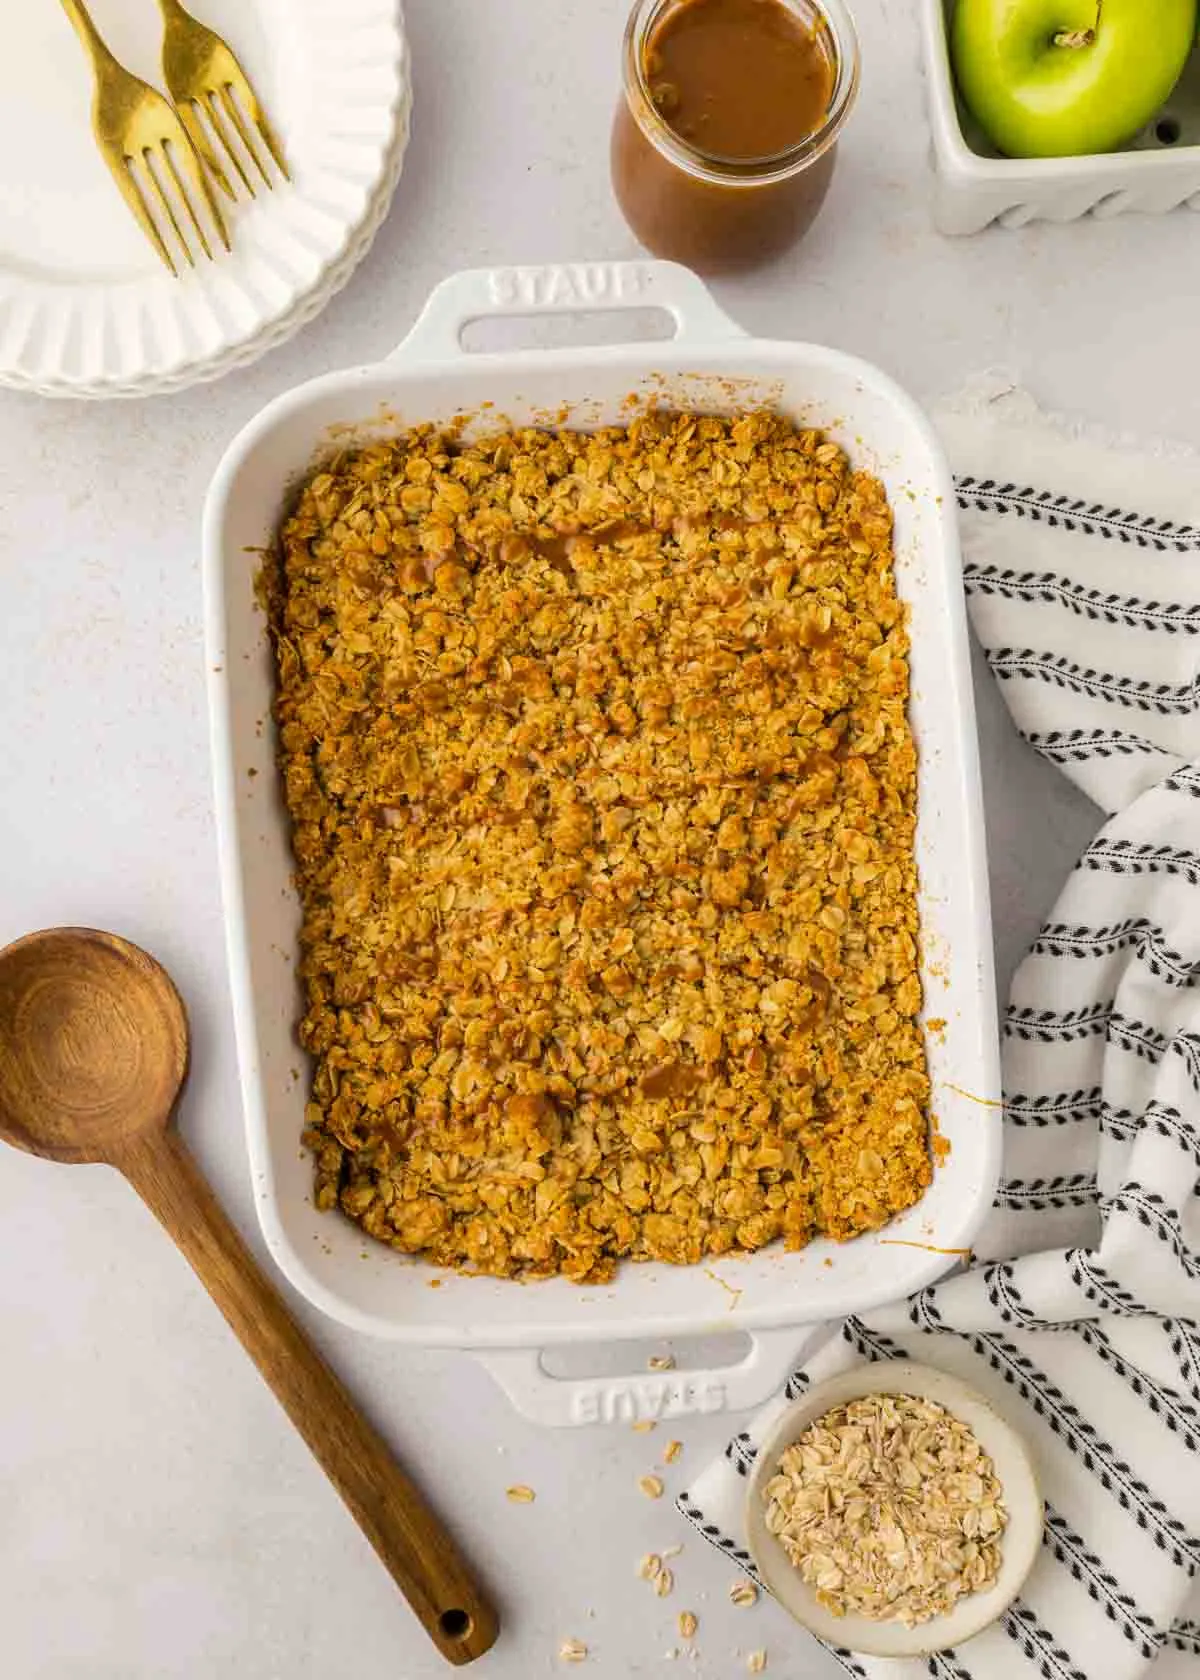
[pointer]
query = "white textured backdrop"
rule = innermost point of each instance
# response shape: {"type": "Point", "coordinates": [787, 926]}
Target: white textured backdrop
{"type": "Point", "coordinates": [157, 1519]}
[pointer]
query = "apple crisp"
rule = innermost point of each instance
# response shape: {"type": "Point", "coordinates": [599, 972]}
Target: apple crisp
{"type": "Point", "coordinates": [603, 803]}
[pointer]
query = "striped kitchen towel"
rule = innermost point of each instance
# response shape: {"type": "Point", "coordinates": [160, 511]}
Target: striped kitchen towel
{"type": "Point", "coordinates": [1081, 1313]}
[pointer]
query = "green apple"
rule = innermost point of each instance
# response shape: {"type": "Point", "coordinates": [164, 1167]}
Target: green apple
{"type": "Point", "coordinates": [1056, 78]}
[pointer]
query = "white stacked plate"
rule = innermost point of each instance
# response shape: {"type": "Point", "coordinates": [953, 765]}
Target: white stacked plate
{"type": "Point", "coordinates": [86, 308]}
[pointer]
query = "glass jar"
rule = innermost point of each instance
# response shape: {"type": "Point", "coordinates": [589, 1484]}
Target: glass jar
{"type": "Point", "coordinates": [718, 213]}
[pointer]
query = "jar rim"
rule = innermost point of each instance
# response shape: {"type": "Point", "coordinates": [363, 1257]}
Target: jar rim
{"type": "Point", "coordinates": [746, 171]}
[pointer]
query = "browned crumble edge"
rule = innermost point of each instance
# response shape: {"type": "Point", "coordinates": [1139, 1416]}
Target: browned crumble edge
{"type": "Point", "coordinates": [603, 807]}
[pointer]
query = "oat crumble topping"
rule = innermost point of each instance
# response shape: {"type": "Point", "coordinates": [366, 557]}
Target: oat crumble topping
{"type": "Point", "coordinates": [603, 808]}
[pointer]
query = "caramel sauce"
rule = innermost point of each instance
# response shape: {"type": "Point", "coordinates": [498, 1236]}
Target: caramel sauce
{"type": "Point", "coordinates": [739, 78]}
{"type": "Point", "coordinates": [671, 1079]}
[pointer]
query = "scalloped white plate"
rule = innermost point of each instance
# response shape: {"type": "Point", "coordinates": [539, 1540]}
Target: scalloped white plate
{"type": "Point", "coordinates": [86, 309]}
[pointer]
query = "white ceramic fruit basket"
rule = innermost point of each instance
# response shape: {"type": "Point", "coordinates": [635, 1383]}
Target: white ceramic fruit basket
{"type": "Point", "coordinates": [710, 364]}
{"type": "Point", "coordinates": [975, 186]}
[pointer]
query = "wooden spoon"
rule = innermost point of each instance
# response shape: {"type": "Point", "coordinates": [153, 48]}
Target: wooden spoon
{"type": "Point", "coordinates": [93, 1054]}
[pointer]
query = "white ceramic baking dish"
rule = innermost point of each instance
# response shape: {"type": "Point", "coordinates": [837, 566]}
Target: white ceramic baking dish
{"type": "Point", "coordinates": [709, 364]}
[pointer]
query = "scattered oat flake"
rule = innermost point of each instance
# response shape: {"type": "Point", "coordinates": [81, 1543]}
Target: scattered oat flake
{"type": "Point", "coordinates": [671, 1551]}
{"type": "Point", "coordinates": [663, 1582]}
{"type": "Point", "coordinates": [521, 1495]}
{"type": "Point", "coordinates": [651, 1486]}
{"type": "Point", "coordinates": [756, 1661]}
{"type": "Point", "coordinates": [662, 1362]}
{"type": "Point", "coordinates": [672, 1451]}
{"type": "Point", "coordinates": [572, 1651]}
{"type": "Point", "coordinates": [687, 1624]}
{"type": "Point", "coordinates": [743, 1594]}
{"type": "Point", "coordinates": [650, 1566]}
{"type": "Point", "coordinates": [644, 1426]}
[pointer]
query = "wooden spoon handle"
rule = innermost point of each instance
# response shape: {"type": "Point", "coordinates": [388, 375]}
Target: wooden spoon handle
{"type": "Point", "coordinates": [417, 1551]}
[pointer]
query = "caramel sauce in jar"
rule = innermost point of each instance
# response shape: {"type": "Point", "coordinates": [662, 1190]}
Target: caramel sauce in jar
{"type": "Point", "coordinates": [724, 140]}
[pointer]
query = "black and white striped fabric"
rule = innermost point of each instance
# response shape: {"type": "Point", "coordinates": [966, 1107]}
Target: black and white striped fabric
{"type": "Point", "coordinates": [1081, 1314]}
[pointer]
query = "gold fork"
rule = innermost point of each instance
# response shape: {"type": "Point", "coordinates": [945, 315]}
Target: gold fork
{"type": "Point", "coordinates": [139, 135]}
{"type": "Point", "coordinates": [206, 80]}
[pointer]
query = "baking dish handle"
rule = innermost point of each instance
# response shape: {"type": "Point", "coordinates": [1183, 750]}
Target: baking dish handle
{"type": "Point", "coordinates": [650, 1395]}
{"type": "Point", "coordinates": [562, 289]}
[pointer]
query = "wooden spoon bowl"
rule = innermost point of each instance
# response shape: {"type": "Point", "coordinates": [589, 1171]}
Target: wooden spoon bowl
{"type": "Point", "coordinates": [93, 1044]}
{"type": "Point", "coordinates": [93, 1055]}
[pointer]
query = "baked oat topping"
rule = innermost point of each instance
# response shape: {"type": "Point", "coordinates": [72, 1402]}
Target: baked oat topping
{"type": "Point", "coordinates": [603, 807]}
{"type": "Point", "coordinates": [889, 1508]}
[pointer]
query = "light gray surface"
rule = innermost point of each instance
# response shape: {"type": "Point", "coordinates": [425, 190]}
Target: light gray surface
{"type": "Point", "coordinates": [157, 1518]}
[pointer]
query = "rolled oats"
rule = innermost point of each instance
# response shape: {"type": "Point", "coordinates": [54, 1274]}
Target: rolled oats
{"type": "Point", "coordinates": [572, 1651]}
{"type": "Point", "coordinates": [651, 1486]}
{"type": "Point", "coordinates": [603, 805]}
{"type": "Point", "coordinates": [687, 1624]}
{"type": "Point", "coordinates": [889, 1508]}
{"type": "Point", "coordinates": [743, 1594]}
{"type": "Point", "coordinates": [520, 1494]}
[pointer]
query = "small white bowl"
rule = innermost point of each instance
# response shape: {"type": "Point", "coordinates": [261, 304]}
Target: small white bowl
{"type": "Point", "coordinates": [1019, 1543]}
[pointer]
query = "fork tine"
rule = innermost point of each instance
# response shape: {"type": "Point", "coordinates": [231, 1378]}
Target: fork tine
{"type": "Point", "coordinates": [200, 183]}
{"type": "Point", "coordinates": [189, 115]}
{"type": "Point", "coordinates": [215, 117]}
{"type": "Point", "coordinates": [167, 206]}
{"type": "Point", "coordinates": [242, 88]}
{"type": "Point", "coordinates": [131, 192]}
{"type": "Point", "coordinates": [235, 117]}
{"type": "Point", "coordinates": [168, 158]}
{"type": "Point", "coordinates": [269, 140]}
